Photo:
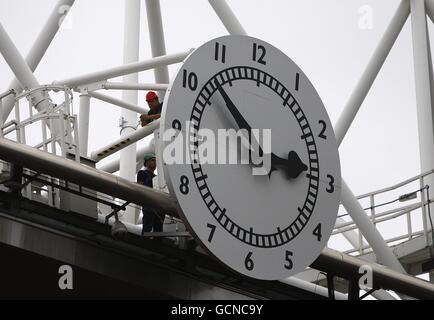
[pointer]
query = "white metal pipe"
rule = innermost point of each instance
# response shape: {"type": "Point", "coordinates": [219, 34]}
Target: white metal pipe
{"type": "Point", "coordinates": [119, 103]}
{"type": "Point", "coordinates": [227, 16]}
{"type": "Point", "coordinates": [135, 86]}
{"type": "Point", "coordinates": [83, 123]}
{"type": "Point", "coordinates": [383, 252]}
{"type": "Point", "coordinates": [129, 118]}
{"type": "Point", "coordinates": [125, 141]}
{"type": "Point", "coordinates": [115, 72]}
{"type": "Point", "coordinates": [158, 46]}
{"type": "Point", "coordinates": [39, 48]}
{"type": "Point", "coordinates": [367, 79]}
{"type": "Point", "coordinates": [20, 68]}
{"type": "Point", "coordinates": [424, 93]}
{"type": "Point", "coordinates": [113, 166]}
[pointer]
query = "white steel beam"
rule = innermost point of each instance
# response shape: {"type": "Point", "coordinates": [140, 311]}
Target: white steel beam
{"type": "Point", "coordinates": [227, 16]}
{"type": "Point", "coordinates": [123, 70]}
{"type": "Point", "coordinates": [135, 86]}
{"type": "Point", "coordinates": [129, 117]}
{"type": "Point", "coordinates": [158, 46]}
{"type": "Point", "coordinates": [120, 103]}
{"type": "Point", "coordinates": [424, 93]}
{"type": "Point", "coordinates": [21, 70]}
{"type": "Point", "coordinates": [124, 142]}
{"type": "Point", "coordinates": [369, 75]}
{"type": "Point", "coordinates": [38, 49]}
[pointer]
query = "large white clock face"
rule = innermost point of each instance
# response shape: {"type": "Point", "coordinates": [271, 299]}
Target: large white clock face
{"type": "Point", "coordinates": [263, 226]}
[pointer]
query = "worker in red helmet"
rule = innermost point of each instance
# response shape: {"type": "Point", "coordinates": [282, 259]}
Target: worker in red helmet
{"type": "Point", "coordinates": [155, 109]}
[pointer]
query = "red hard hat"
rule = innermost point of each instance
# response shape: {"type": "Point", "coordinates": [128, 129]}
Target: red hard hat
{"type": "Point", "coordinates": [151, 95]}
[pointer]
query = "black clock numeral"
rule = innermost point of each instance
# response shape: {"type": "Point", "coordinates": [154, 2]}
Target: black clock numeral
{"type": "Point", "coordinates": [317, 232]}
{"type": "Point", "coordinates": [184, 185]}
{"type": "Point", "coordinates": [249, 262]}
{"type": "Point", "coordinates": [331, 187]}
{"type": "Point", "coordinates": [217, 57]}
{"type": "Point", "coordinates": [211, 234]}
{"type": "Point", "coordinates": [190, 80]}
{"type": "Point", "coordinates": [323, 130]}
{"type": "Point", "coordinates": [288, 259]}
{"type": "Point", "coordinates": [259, 51]}
{"type": "Point", "coordinates": [176, 124]}
{"type": "Point", "coordinates": [297, 81]}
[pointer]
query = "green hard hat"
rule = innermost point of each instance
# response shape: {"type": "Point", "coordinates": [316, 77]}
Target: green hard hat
{"type": "Point", "coordinates": [148, 156]}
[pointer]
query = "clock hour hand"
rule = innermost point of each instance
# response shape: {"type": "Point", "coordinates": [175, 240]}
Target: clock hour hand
{"type": "Point", "coordinates": [293, 166]}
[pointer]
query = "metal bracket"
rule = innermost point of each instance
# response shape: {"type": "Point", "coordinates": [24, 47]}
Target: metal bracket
{"type": "Point", "coordinates": [353, 290]}
{"type": "Point", "coordinates": [331, 286]}
{"type": "Point", "coordinates": [115, 212]}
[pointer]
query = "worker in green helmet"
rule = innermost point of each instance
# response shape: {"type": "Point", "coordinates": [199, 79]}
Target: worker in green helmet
{"type": "Point", "coordinates": [152, 220]}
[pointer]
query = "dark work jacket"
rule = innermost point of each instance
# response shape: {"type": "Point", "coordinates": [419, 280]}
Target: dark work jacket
{"type": "Point", "coordinates": [146, 176]}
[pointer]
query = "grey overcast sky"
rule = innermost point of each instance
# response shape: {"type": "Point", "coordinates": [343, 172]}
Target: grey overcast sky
{"type": "Point", "coordinates": [323, 37]}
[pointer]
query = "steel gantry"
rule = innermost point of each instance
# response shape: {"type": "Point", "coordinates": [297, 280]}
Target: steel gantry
{"type": "Point", "coordinates": [123, 187]}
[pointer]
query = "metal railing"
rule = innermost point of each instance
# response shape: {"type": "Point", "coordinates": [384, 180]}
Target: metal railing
{"type": "Point", "coordinates": [419, 207]}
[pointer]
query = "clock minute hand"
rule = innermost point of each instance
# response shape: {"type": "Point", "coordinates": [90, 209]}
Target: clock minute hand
{"type": "Point", "coordinates": [239, 119]}
{"type": "Point", "coordinates": [241, 122]}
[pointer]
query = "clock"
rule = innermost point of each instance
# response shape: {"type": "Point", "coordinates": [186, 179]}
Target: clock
{"type": "Point", "coordinates": [266, 213]}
